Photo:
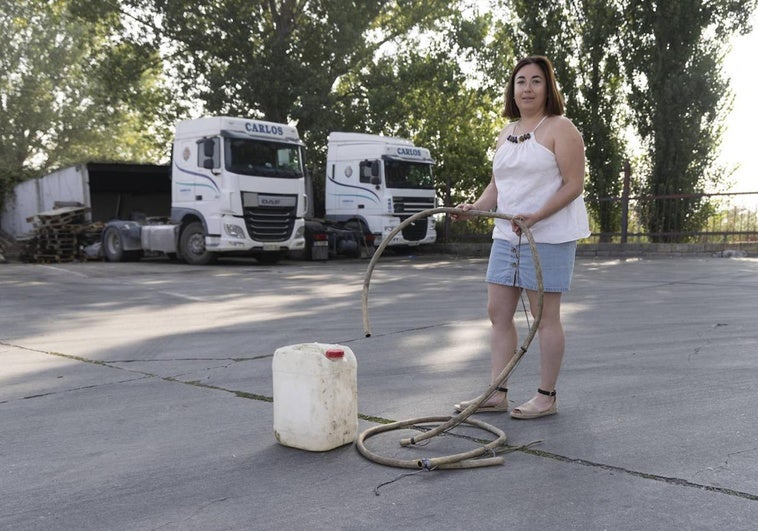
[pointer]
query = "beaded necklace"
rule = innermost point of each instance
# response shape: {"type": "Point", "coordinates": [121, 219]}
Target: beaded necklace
{"type": "Point", "coordinates": [525, 136]}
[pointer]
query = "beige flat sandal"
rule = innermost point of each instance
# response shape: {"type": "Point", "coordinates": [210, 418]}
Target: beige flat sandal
{"type": "Point", "coordinates": [498, 407]}
{"type": "Point", "coordinates": [528, 411]}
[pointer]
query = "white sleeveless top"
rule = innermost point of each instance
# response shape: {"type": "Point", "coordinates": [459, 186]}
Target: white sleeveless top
{"type": "Point", "coordinates": [526, 176]}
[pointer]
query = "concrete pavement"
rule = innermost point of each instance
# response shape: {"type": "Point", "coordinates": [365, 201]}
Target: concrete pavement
{"type": "Point", "coordinates": [138, 396]}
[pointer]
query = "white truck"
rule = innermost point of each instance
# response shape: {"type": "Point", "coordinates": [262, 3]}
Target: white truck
{"type": "Point", "coordinates": [375, 182]}
{"type": "Point", "coordinates": [237, 188]}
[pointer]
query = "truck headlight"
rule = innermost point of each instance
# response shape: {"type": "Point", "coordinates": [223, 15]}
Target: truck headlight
{"type": "Point", "coordinates": [235, 231]}
{"type": "Point", "coordinates": [300, 232]}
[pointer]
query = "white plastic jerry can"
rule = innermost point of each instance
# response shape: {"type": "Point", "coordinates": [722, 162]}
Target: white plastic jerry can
{"type": "Point", "coordinates": [315, 396]}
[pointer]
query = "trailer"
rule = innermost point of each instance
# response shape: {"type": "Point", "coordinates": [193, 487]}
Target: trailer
{"type": "Point", "coordinates": [104, 190]}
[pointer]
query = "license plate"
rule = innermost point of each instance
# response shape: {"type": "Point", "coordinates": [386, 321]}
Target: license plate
{"type": "Point", "coordinates": [270, 247]}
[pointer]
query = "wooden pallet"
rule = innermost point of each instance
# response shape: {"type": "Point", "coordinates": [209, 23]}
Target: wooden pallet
{"type": "Point", "coordinates": [60, 235]}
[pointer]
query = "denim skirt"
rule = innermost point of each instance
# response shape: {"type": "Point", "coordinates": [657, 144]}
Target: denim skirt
{"type": "Point", "coordinates": [512, 265]}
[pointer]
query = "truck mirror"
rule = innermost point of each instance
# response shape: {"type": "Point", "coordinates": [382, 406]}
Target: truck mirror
{"type": "Point", "coordinates": [208, 163]}
{"type": "Point", "coordinates": [375, 179]}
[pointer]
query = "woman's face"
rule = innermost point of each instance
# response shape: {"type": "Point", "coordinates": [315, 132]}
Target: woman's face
{"type": "Point", "coordinates": [530, 89]}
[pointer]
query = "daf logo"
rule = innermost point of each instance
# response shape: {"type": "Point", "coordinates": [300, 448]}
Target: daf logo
{"type": "Point", "coordinates": [270, 202]}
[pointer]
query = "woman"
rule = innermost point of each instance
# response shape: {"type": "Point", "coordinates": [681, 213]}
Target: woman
{"type": "Point", "coordinates": [538, 177]}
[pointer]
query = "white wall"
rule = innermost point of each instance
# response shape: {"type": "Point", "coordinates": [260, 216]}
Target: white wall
{"type": "Point", "coordinates": [40, 195]}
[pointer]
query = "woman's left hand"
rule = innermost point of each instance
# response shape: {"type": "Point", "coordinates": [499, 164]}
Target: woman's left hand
{"type": "Point", "coordinates": [526, 219]}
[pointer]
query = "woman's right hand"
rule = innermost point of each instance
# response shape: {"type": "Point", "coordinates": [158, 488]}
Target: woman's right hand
{"type": "Point", "coordinates": [462, 217]}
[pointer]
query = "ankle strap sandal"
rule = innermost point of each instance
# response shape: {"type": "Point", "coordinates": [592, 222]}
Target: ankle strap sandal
{"type": "Point", "coordinates": [529, 410]}
{"type": "Point", "coordinates": [499, 406]}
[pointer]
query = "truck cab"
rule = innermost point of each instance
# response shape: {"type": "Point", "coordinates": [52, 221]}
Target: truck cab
{"type": "Point", "coordinates": [243, 181]}
{"type": "Point", "coordinates": [237, 188]}
{"type": "Point", "coordinates": [377, 182]}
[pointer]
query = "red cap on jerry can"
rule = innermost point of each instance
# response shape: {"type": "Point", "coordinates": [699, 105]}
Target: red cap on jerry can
{"type": "Point", "coordinates": [335, 353]}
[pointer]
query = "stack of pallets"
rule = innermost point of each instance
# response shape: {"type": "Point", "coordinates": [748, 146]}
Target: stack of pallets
{"type": "Point", "coordinates": [60, 235]}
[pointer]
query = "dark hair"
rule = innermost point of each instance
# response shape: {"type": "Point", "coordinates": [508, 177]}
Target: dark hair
{"type": "Point", "coordinates": [553, 105]}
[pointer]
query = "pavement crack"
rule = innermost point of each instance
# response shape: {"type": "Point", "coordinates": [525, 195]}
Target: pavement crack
{"type": "Point", "coordinates": [162, 360]}
{"type": "Point", "coordinates": [240, 394]}
{"type": "Point", "coordinates": [645, 475]}
{"type": "Point", "coordinates": [144, 374]}
{"type": "Point", "coordinates": [69, 390]}
{"type": "Point", "coordinates": [733, 454]}
{"type": "Point", "coordinates": [400, 331]}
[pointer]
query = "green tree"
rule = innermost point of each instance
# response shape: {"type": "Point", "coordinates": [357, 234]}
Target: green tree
{"type": "Point", "coordinates": [679, 96]}
{"type": "Point", "coordinates": [599, 107]}
{"type": "Point", "coordinates": [72, 92]}
{"type": "Point", "coordinates": [277, 60]}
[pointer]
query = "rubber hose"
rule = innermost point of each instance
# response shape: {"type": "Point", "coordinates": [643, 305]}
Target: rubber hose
{"type": "Point", "coordinates": [472, 458]}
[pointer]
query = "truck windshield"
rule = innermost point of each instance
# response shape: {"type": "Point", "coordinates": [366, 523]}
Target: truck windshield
{"type": "Point", "coordinates": [258, 157]}
{"type": "Point", "coordinates": [402, 174]}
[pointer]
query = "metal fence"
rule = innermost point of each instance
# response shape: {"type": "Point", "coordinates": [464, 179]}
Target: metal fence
{"type": "Point", "coordinates": [732, 218]}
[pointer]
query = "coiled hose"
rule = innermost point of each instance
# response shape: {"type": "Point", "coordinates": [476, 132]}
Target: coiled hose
{"type": "Point", "coordinates": [472, 458]}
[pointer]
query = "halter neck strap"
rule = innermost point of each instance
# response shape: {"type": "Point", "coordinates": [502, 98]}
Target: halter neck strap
{"type": "Point", "coordinates": [539, 124]}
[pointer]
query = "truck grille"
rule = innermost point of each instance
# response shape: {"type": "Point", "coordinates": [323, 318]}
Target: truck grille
{"type": "Point", "coordinates": [411, 205]}
{"type": "Point", "coordinates": [270, 224]}
{"type": "Point", "coordinates": [406, 207]}
{"type": "Point", "coordinates": [415, 231]}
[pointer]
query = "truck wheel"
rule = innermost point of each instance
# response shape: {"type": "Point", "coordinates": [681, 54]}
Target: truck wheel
{"type": "Point", "coordinates": [359, 233]}
{"type": "Point", "coordinates": [113, 247]}
{"type": "Point", "coordinates": [192, 245]}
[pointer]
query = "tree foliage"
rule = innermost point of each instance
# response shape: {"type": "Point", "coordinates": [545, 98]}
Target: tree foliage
{"type": "Point", "coordinates": [679, 97]}
{"type": "Point", "coordinates": [599, 108]}
{"type": "Point", "coordinates": [71, 91]}
{"type": "Point", "coordinates": [276, 59]}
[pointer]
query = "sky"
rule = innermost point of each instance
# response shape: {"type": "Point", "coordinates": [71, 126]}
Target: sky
{"type": "Point", "coordinates": [738, 145]}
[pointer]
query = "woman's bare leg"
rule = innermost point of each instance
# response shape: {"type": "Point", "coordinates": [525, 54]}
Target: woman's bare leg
{"type": "Point", "coordinates": [502, 302]}
{"type": "Point", "coordinates": [552, 346]}
{"type": "Point", "coordinates": [501, 307]}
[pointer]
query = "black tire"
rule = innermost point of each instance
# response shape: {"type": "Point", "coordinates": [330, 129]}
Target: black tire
{"type": "Point", "coordinates": [113, 247]}
{"type": "Point", "coordinates": [192, 245]}
{"type": "Point", "coordinates": [359, 232]}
